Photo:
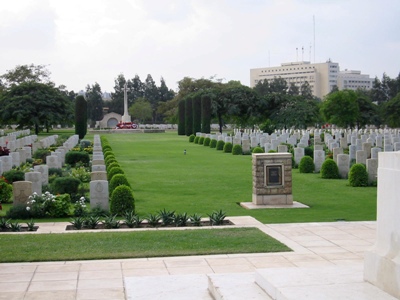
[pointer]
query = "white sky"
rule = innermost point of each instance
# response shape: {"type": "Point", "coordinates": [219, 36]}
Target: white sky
{"type": "Point", "coordinates": [88, 41]}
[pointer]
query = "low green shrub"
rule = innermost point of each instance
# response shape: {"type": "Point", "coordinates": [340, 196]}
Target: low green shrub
{"type": "Point", "coordinates": [309, 151]}
{"type": "Point", "coordinates": [207, 141]}
{"type": "Point", "coordinates": [358, 175]}
{"type": "Point", "coordinates": [6, 191]}
{"type": "Point", "coordinates": [329, 169]}
{"type": "Point", "coordinates": [306, 165]}
{"type": "Point", "coordinates": [106, 148]}
{"type": "Point", "coordinates": [237, 150]}
{"type": "Point", "coordinates": [228, 147]}
{"type": "Point", "coordinates": [196, 140]}
{"type": "Point", "coordinates": [117, 180]}
{"type": "Point", "coordinates": [55, 171]}
{"type": "Point", "coordinates": [113, 171]}
{"type": "Point", "coordinates": [220, 145]}
{"type": "Point", "coordinates": [108, 153]}
{"type": "Point", "coordinates": [213, 143]}
{"type": "Point", "coordinates": [41, 154]}
{"type": "Point", "coordinates": [74, 157]}
{"type": "Point", "coordinates": [201, 140]}
{"type": "Point", "coordinates": [110, 160]}
{"type": "Point", "coordinates": [122, 200]}
{"type": "Point", "coordinates": [18, 211]}
{"type": "Point", "coordinates": [191, 138]}
{"type": "Point", "coordinates": [66, 185]}
{"type": "Point", "coordinates": [113, 164]}
{"type": "Point", "coordinates": [257, 150]}
{"type": "Point", "coordinates": [14, 175]}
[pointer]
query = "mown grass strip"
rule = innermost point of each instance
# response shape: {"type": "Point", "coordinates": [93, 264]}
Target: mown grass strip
{"type": "Point", "coordinates": [115, 245]}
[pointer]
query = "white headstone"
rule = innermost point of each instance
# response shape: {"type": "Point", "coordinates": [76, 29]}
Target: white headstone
{"type": "Point", "coordinates": [36, 179]}
{"type": "Point", "coordinates": [99, 194]}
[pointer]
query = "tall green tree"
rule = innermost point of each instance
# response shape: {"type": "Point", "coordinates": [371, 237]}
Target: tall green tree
{"type": "Point", "coordinates": [94, 103]}
{"type": "Point", "coordinates": [141, 110]}
{"type": "Point", "coordinates": [196, 112]}
{"type": "Point", "coordinates": [189, 115]}
{"type": "Point", "coordinates": [151, 94]}
{"type": "Point", "coordinates": [340, 108]}
{"type": "Point", "coordinates": [117, 97]}
{"type": "Point", "coordinates": [25, 73]}
{"type": "Point", "coordinates": [80, 116]}
{"type": "Point", "coordinates": [181, 118]}
{"type": "Point", "coordinates": [34, 105]}
{"type": "Point", "coordinates": [392, 112]}
{"type": "Point", "coordinates": [206, 113]}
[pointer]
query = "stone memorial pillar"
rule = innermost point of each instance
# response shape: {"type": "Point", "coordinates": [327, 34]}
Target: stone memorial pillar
{"type": "Point", "coordinates": [382, 263]}
{"type": "Point", "coordinates": [272, 179]}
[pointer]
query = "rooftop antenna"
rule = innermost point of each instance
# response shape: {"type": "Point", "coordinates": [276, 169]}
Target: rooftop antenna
{"type": "Point", "coordinates": [297, 54]}
{"type": "Point", "coordinates": [310, 52]}
{"type": "Point", "coordinates": [314, 36]}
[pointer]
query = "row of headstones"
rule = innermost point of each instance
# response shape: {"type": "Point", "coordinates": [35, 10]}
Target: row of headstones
{"type": "Point", "coordinates": [40, 175]}
{"type": "Point", "coordinates": [17, 156]}
{"type": "Point", "coordinates": [13, 143]}
{"type": "Point", "coordinates": [99, 193]}
{"type": "Point", "coordinates": [386, 142]}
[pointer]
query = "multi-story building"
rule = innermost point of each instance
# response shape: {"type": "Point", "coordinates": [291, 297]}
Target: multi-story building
{"type": "Point", "coordinates": [322, 77]}
{"type": "Point", "coordinates": [350, 79]}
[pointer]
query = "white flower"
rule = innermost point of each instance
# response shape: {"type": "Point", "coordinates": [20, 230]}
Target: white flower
{"type": "Point", "coordinates": [28, 208]}
{"type": "Point", "coordinates": [82, 199]}
{"type": "Point", "coordinates": [34, 194]}
{"type": "Point", "coordinates": [33, 201]}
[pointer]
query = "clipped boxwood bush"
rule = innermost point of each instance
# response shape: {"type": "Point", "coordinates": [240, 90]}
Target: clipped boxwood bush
{"type": "Point", "coordinates": [220, 145]}
{"type": "Point", "coordinates": [14, 175]}
{"type": "Point", "coordinates": [257, 150]}
{"type": "Point", "coordinates": [106, 147]}
{"type": "Point", "coordinates": [207, 141]}
{"type": "Point", "coordinates": [306, 165]}
{"type": "Point", "coordinates": [41, 154]}
{"type": "Point", "coordinates": [66, 185]}
{"type": "Point", "coordinates": [201, 140]}
{"type": "Point", "coordinates": [196, 140]}
{"type": "Point", "coordinates": [191, 138]}
{"type": "Point", "coordinates": [108, 153]}
{"type": "Point", "coordinates": [329, 169]}
{"type": "Point", "coordinates": [122, 201]}
{"type": "Point", "coordinates": [309, 151]}
{"type": "Point", "coordinates": [358, 175]}
{"type": "Point", "coordinates": [74, 157]}
{"type": "Point", "coordinates": [109, 160]}
{"type": "Point", "coordinates": [117, 180]}
{"type": "Point", "coordinates": [237, 150]}
{"type": "Point", "coordinates": [113, 165]}
{"type": "Point", "coordinates": [55, 171]}
{"type": "Point", "coordinates": [213, 143]}
{"type": "Point", "coordinates": [228, 147]}
{"type": "Point", "coordinates": [111, 172]}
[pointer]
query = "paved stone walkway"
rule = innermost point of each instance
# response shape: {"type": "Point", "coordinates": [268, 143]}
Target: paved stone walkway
{"type": "Point", "coordinates": [313, 244]}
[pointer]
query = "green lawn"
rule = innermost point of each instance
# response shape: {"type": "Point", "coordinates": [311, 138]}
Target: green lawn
{"type": "Point", "coordinates": [111, 245]}
{"type": "Point", "coordinates": [205, 180]}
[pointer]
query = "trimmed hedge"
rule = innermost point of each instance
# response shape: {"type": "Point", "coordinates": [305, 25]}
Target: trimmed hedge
{"type": "Point", "coordinates": [358, 175]}
{"type": "Point", "coordinates": [66, 185]}
{"type": "Point", "coordinates": [213, 143]}
{"type": "Point", "coordinates": [257, 150]}
{"type": "Point", "coordinates": [117, 180]}
{"type": "Point", "coordinates": [207, 141]}
{"type": "Point", "coordinates": [228, 147]}
{"type": "Point", "coordinates": [74, 157]}
{"type": "Point", "coordinates": [306, 165]}
{"type": "Point", "coordinates": [113, 171]}
{"type": "Point", "coordinates": [122, 201]}
{"type": "Point", "coordinates": [196, 140]}
{"type": "Point", "coordinates": [237, 150]}
{"type": "Point", "coordinates": [220, 145]}
{"type": "Point", "coordinates": [191, 138]}
{"type": "Point", "coordinates": [201, 140]}
{"type": "Point", "coordinates": [329, 169]}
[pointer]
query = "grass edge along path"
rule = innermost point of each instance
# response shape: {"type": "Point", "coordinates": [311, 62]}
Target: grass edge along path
{"type": "Point", "coordinates": [142, 244]}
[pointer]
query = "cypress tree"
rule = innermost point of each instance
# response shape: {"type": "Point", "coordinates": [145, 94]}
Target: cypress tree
{"type": "Point", "coordinates": [205, 114]}
{"type": "Point", "coordinates": [181, 118]}
{"type": "Point", "coordinates": [196, 113]}
{"type": "Point", "coordinates": [80, 116]}
{"type": "Point", "coordinates": [188, 116]}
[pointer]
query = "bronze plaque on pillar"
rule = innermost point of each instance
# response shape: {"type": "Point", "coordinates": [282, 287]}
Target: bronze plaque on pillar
{"type": "Point", "coordinates": [273, 175]}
